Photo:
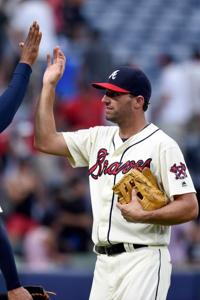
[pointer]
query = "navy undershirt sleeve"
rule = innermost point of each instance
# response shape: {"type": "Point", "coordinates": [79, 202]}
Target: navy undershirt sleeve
{"type": "Point", "coordinates": [7, 262]}
{"type": "Point", "coordinates": [10, 101]}
{"type": "Point", "coordinates": [12, 97]}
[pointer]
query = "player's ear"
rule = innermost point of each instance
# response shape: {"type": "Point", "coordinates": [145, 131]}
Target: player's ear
{"type": "Point", "coordinates": [139, 102]}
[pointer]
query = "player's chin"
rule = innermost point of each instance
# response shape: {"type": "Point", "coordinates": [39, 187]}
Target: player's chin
{"type": "Point", "coordinates": [110, 118]}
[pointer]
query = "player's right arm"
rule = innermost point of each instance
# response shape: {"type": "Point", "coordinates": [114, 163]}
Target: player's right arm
{"type": "Point", "coordinates": [46, 137]}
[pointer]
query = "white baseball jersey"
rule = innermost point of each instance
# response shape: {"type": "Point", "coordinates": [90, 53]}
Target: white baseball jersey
{"type": "Point", "coordinates": [108, 159]}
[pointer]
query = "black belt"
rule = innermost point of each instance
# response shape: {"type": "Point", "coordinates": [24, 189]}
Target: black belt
{"type": "Point", "coordinates": [115, 248]}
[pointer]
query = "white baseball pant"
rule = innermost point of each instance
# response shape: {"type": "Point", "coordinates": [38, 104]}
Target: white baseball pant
{"type": "Point", "coordinates": [143, 274]}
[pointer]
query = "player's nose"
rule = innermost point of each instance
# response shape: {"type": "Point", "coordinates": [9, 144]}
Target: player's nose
{"type": "Point", "coordinates": [105, 99]}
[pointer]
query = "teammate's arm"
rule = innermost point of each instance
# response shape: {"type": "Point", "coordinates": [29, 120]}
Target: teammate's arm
{"type": "Point", "coordinates": [8, 268]}
{"type": "Point", "coordinates": [47, 139]}
{"type": "Point", "coordinates": [11, 99]}
{"type": "Point", "coordinates": [184, 208]}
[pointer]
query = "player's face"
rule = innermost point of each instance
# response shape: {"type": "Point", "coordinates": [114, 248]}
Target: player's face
{"type": "Point", "coordinates": [118, 106]}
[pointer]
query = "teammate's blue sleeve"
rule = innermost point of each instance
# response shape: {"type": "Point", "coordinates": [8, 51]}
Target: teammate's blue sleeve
{"type": "Point", "coordinates": [7, 262]}
{"type": "Point", "coordinates": [12, 97]}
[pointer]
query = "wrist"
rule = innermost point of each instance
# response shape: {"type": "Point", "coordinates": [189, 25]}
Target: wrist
{"type": "Point", "coordinates": [49, 85]}
{"type": "Point", "coordinates": [14, 289]}
{"type": "Point", "coordinates": [146, 217]}
{"type": "Point", "coordinates": [23, 61]}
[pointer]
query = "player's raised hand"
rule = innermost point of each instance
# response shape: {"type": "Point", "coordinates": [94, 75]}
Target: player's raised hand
{"type": "Point", "coordinates": [30, 47]}
{"type": "Point", "coordinates": [55, 68]}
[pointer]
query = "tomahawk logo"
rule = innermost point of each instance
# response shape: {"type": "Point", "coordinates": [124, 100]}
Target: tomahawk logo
{"type": "Point", "coordinates": [113, 75]}
{"type": "Point", "coordinates": [179, 171]}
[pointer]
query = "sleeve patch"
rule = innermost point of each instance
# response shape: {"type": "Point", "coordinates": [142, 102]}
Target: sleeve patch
{"type": "Point", "coordinates": [179, 170]}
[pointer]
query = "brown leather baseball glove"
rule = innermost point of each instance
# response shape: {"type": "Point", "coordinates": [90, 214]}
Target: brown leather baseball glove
{"type": "Point", "coordinates": [148, 192]}
{"type": "Point", "coordinates": [37, 293]}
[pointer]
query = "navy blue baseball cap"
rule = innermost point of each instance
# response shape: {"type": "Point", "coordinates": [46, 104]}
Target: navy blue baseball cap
{"type": "Point", "coordinates": [127, 80]}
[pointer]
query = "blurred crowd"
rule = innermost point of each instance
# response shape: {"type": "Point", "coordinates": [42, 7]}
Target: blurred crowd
{"type": "Point", "coordinates": [46, 203]}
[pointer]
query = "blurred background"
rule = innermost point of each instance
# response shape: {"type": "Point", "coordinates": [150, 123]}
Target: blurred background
{"type": "Point", "coordinates": [46, 203]}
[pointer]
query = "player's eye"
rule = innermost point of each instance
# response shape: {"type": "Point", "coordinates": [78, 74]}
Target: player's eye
{"type": "Point", "coordinates": [112, 94]}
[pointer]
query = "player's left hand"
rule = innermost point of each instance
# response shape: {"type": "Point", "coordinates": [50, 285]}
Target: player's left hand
{"type": "Point", "coordinates": [133, 211]}
{"type": "Point", "coordinates": [19, 294]}
{"type": "Point", "coordinates": [29, 292]}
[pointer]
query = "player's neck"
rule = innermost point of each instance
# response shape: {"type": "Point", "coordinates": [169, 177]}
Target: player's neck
{"type": "Point", "coordinates": [128, 130]}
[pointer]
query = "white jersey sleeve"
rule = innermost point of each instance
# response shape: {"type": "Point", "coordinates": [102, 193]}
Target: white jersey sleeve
{"type": "Point", "coordinates": [79, 144]}
{"type": "Point", "coordinates": [175, 175]}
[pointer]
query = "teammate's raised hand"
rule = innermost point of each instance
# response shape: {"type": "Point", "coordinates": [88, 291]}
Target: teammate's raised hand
{"type": "Point", "coordinates": [55, 68]}
{"type": "Point", "coordinates": [30, 47]}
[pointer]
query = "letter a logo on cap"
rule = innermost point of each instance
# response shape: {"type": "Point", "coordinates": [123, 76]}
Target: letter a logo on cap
{"type": "Point", "coordinates": [114, 74]}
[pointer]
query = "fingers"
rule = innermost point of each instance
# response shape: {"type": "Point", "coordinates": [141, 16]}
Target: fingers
{"type": "Point", "coordinates": [59, 56]}
{"type": "Point", "coordinates": [56, 53]}
{"type": "Point", "coordinates": [48, 60]}
{"type": "Point", "coordinates": [34, 31]}
{"type": "Point", "coordinates": [30, 48]}
{"type": "Point", "coordinates": [34, 35]}
{"type": "Point", "coordinates": [31, 34]}
{"type": "Point", "coordinates": [37, 35]}
{"type": "Point", "coordinates": [38, 38]}
{"type": "Point", "coordinates": [124, 209]}
{"type": "Point", "coordinates": [133, 199]}
{"type": "Point", "coordinates": [134, 195]}
{"type": "Point", "coordinates": [119, 205]}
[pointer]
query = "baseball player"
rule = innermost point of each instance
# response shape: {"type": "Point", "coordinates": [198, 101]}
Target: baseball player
{"type": "Point", "coordinates": [133, 262]}
{"type": "Point", "coordinates": [10, 101]}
